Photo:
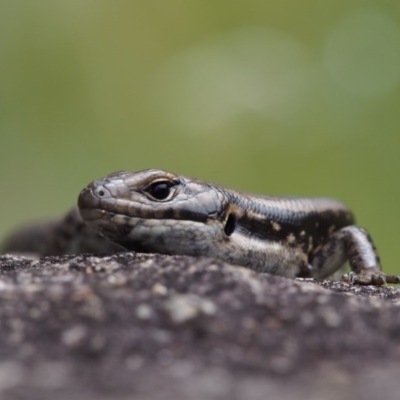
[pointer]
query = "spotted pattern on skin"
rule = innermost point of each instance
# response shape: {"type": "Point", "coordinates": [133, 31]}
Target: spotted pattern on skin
{"type": "Point", "coordinates": [310, 244]}
{"type": "Point", "coordinates": [276, 226]}
{"type": "Point", "coordinates": [280, 235]}
{"type": "Point", "coordinates": [291, 239]}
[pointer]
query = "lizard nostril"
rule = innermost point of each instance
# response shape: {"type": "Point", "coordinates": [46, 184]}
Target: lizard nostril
{"type": "Point", "coordinates": [101, 193]}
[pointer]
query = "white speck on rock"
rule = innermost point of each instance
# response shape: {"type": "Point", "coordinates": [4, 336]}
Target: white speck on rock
{"type": "Point", "coordinates": [74, 336]}
{"type": "Point", "coordinates": [182, 308]}
{"type": "Point", "coordinates": [144, 311]}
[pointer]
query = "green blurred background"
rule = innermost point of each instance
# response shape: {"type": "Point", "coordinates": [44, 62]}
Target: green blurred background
{"type": "Point", "coordinates": [280, 97]}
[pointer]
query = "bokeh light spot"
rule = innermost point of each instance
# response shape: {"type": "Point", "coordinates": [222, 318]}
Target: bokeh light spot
{"type": "Point", "coordinates": [362, 53]}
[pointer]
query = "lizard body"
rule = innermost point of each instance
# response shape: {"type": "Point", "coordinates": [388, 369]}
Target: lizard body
{"type": "Point", "coordinates": [160, 212]}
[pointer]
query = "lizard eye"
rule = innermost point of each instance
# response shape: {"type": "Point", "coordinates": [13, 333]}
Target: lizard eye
{"type": "Point", "coordinates": [160, 190]}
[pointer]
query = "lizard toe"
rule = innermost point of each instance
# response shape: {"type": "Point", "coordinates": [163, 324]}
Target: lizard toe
{"type": "Point", "coordinates": [367, 277]}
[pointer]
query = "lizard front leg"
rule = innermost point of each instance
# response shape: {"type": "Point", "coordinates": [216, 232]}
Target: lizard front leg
{"type": "Point", "coordinates": [352, 244]}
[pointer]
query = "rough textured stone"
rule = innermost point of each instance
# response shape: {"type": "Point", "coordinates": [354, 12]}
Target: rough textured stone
{"type": "Point", "coordinates": [141, 326]}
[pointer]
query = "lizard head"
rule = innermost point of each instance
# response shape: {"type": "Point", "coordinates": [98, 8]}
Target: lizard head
{"type": "Point", "coordinates": [155, 211]}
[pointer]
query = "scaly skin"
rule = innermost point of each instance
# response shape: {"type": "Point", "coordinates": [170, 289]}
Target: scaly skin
{"type": "Point", "coordinates": [160, 212]}
{"type": "Point", "coordinates": [155, 211]}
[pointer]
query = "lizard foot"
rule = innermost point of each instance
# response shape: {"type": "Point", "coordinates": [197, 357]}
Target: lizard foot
{"type": "Point", "coordinates": [370, 277]}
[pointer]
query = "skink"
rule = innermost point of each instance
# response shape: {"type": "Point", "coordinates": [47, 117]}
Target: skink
{"type": "Point", "coordinates": [159, 212]}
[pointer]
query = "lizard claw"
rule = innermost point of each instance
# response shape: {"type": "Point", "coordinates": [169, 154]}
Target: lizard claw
{"type": "Point", "coordinates": [394, 279]}
{"type": "Point", "coordinates": [370, 277]}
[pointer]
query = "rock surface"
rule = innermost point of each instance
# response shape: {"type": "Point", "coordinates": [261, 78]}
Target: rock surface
{"type": "Point", "coordinates": [126, 325]}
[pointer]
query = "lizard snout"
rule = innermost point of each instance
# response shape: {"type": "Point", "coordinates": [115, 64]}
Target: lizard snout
{"type": "Point", "coordinates": [92, 199]}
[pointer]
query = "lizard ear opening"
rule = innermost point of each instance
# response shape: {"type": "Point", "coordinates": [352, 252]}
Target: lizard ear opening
{"type": "Point", "coordinates": [230, 225]}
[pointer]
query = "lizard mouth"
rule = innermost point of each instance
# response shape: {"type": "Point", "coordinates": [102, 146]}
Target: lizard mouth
{"type": "Point", "coordinates": [97, 207]}
{"type": "Point", "coordinates": [92, 214]}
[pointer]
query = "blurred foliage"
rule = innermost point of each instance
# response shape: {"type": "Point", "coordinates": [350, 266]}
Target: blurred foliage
{"type": "Point", "coordinates": [281, 97]}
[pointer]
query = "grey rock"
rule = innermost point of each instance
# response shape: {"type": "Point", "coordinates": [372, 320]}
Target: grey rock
{"type": "Point", "coordinates": [126, 325]}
